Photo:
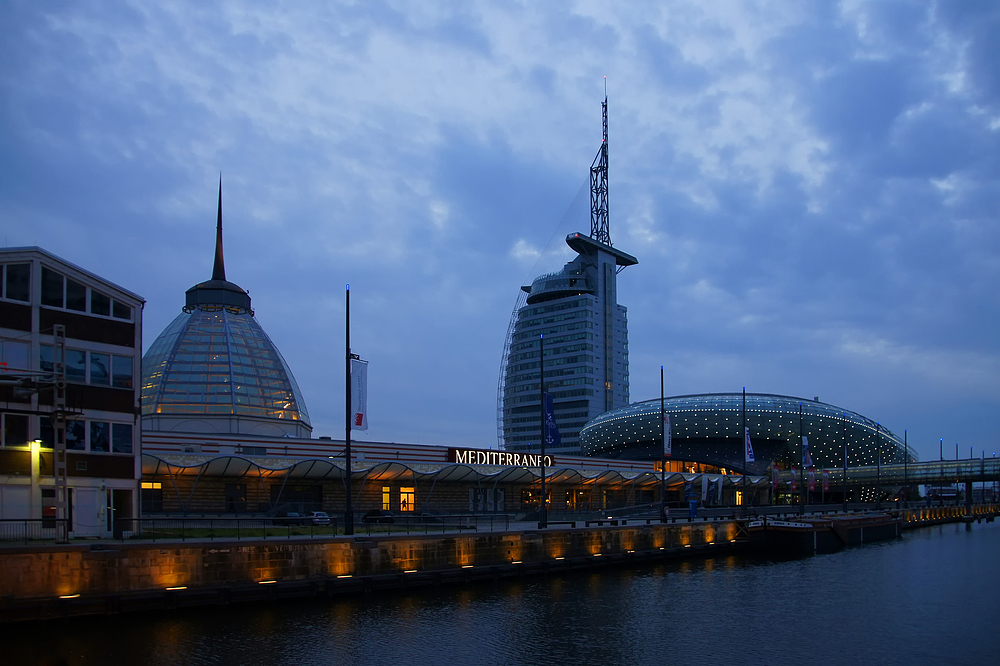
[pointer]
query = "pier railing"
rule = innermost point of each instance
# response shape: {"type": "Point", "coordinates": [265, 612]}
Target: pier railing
{"type": "Point", "coordinates": [40, 531]}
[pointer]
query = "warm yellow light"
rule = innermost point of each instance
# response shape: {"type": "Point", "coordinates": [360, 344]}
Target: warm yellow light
{"type": "Point", "coordinates": [410, 571]}
{"type": "Point", "coordinates": [560, 558]}
{"type": "Point", "coordinates": [67, 596]}
{"type": "Point", "coordinates": [266, 582]}
{"type": "Point", "coordinates": [344, 576]}
{"type": "Point", "coordinates": [466, 566]}
{"type": "Point", "coordinates": [597, 554]}
{"type": "Point", "coordinates": [515, 561]}
{"type": "Point", "coordinates": [178, 587]}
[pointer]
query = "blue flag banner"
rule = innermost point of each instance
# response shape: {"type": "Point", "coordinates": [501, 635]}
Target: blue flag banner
{"type": "Point", "coordinates": [807, 460]}
{"type": "Point", "coordinates": [748, 453]}
{"type": "Point", "coordinates": [552, 437]}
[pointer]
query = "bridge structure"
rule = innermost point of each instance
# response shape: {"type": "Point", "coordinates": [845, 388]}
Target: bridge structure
{"type": "Point", "coordinates": [932, 473]}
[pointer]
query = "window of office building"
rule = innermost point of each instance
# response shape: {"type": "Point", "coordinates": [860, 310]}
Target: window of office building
{"type": "Point", "coordinates": [76, 366]}
{"type": "Point", "coordinates": [76, 296]}
{"type": "Point", "coordinates": [407, 499]}
{"type": "Point", "coordinates": [14, 429]}
{"type": "Point", "coordinates": [121, 437]}
{"type": "Point", "coordinates": [46, 432]}
{"type": "Point", "coordinates": [100, 369]}
{"type": "Point", "coordinates": [15, 281]}
{"type": "Point", "coordinates": [121, 372]}
{"type": "Point", "coordinates": [100, 436]}
{"type": "Point", "coordinates": [76, 435]}
{"type": "Point", "coordinates": [59, 291]}
{"type": "Point", "coordinates": [100, 304]}
{"type": "Point", "coordinates": [14, 355]}
{"type": "Point", "coordinates": [386, 498]}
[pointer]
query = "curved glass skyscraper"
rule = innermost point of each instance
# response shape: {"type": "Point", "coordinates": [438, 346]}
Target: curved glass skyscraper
{"type": "Point", "coordinates": [585, 335]}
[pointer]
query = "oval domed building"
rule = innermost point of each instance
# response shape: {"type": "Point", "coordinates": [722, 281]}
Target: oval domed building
{"type": "Point", "coordinates": [707, 429]}
{"type": "Point", "coordinates": [214, 370]}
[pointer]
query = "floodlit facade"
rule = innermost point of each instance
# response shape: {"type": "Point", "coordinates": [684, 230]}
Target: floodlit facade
{"type": "Point", "coordinates": [707, 431]}
{"type": "Point", "coordinates": [70, 345]}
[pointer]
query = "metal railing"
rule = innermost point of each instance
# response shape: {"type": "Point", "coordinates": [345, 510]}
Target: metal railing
{"type": "Point", "coordinates": [425, 524]}
{"type": "Point", "coordinates": [29, 530]}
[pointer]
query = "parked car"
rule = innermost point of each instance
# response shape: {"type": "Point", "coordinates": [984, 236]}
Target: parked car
{"type": "Point", "coordinates": [290, 518]}
{"type": "Point", "coordinates": [318, 518]}
{"type": "Point", "coordinates": [379, 516]}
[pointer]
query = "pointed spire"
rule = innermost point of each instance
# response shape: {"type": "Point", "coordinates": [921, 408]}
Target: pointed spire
{"type": "Point", "coordinates": [219, 271]}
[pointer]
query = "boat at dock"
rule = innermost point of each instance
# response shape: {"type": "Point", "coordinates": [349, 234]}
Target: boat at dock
{"type": "Point", "coordinates": [818, 535]}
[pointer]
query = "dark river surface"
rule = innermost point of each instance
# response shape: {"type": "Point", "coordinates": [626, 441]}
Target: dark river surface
{"type": "Point", "coordinates": [932, 597]}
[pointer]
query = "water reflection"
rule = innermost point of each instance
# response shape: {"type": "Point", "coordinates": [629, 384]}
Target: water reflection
{"type": "Point", "coordinates": [926, 598]}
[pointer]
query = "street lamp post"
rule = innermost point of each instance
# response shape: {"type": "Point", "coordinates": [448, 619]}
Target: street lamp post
{"type": "Point", "coordinates": [802, 466]}
{"type": "Point", "coordinates": [348, 509]}
{"type": "Point", "coordinates": [663, 464]}
{"type": "Point", "coordinates": [845, 467]}
{"type": "Point", "coordinates": [906, 488]}
{"type": "Point", "coordinates": [542, 511]}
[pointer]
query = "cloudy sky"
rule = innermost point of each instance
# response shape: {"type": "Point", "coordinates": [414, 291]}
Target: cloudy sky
{"type": "Point", "coordinates": [811, 188]}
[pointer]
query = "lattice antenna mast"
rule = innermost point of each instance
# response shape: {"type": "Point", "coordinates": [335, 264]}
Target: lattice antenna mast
{"type": "Point", "coordinates": [600, 229]}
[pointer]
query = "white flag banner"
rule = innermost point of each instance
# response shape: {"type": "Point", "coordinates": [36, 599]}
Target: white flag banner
{"type": "Point", "coordinates": [359, 394]}
{"type": "Point", "coordinates": [748, 453]}
{"type": "Point", "coordinates": [668, 448]}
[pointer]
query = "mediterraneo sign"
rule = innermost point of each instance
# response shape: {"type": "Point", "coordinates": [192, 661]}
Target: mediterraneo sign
{"type": "Point", "coordinates": [500, 458]}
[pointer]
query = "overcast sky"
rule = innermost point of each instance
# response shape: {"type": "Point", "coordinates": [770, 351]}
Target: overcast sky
{"type": "Point", "coordinates": [811, 188]}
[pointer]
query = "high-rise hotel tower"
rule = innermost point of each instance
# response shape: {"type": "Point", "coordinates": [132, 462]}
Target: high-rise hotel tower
{"type": "Point", "coordinates": [585, 334]}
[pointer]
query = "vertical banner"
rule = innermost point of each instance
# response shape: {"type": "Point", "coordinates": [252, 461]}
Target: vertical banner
{"type": "Point", "coordinates": [748, 454]}
{"type": "Point", "coordinates": [826, 480]}
{"type": "Point", "coordinates": [807, 460]}
{"type": "Point", "coordinates": [812, 480]}
{"type": "Point", "coordinates": [359, 394]}
{"type": "Point", "coordinates": [552, 436]}
{"type": "Point", "coordinates": [774, 478]}
{"type": "Point", "coordinates": [795, 479]}
{"type": "Point", "coordinates": [668, 445]}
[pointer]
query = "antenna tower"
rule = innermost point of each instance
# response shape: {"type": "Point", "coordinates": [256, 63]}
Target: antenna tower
{"type": "Point", "coordinates": [600, 229]}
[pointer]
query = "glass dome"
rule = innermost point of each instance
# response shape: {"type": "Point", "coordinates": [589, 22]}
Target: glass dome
{"type": "Point", "coordinates": [219, 363]}
{"type": "Point", "coordinates": [213, 369]}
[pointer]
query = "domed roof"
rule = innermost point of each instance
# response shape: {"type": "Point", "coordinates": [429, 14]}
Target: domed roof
{"type": "Point", "coordinates": [219, 364]}
{"type": "Point", "coordinates": [213, 369]}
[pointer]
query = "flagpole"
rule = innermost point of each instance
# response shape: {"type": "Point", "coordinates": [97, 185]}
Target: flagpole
{"type": "Point", "coordinates": [348, 509]}
{"type": "Point", "coordinates": [542, 517]}
{"type": "Point", "coordinates": [878, 465]}
{"type": "Point", "coordinates": [746, 507]}
{"type": "Point", "coordinates": [802, 467]}
{"type": "Point", "coordinates": [663, 468]}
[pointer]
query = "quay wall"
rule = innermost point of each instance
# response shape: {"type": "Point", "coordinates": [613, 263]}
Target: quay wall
{"type": "Point", "coordinates": [45, 581]}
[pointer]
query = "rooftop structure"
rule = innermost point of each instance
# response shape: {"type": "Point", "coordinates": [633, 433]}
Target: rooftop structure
{"type": "Point", "coordinates": [585, 335]}
{"type": "Point", "coordinates": [215, 370]}
{"type": "Point", "coordinates": [707, 430]}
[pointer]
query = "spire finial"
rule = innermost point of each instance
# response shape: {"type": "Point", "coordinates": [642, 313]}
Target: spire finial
{"type": "Point", "coordinates": [219, 271]}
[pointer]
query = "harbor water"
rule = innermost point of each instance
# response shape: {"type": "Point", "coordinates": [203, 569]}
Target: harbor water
{"type": "Point", "coordinates": [931, 597]}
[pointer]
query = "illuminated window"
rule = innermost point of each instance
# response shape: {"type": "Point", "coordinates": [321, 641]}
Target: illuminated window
{"type": "Point", "coordinates": [386, 506]}
{"type": "Point", "coordinates": [151, 496]}
{"type": "Point", "coordinates": [407, 499]}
